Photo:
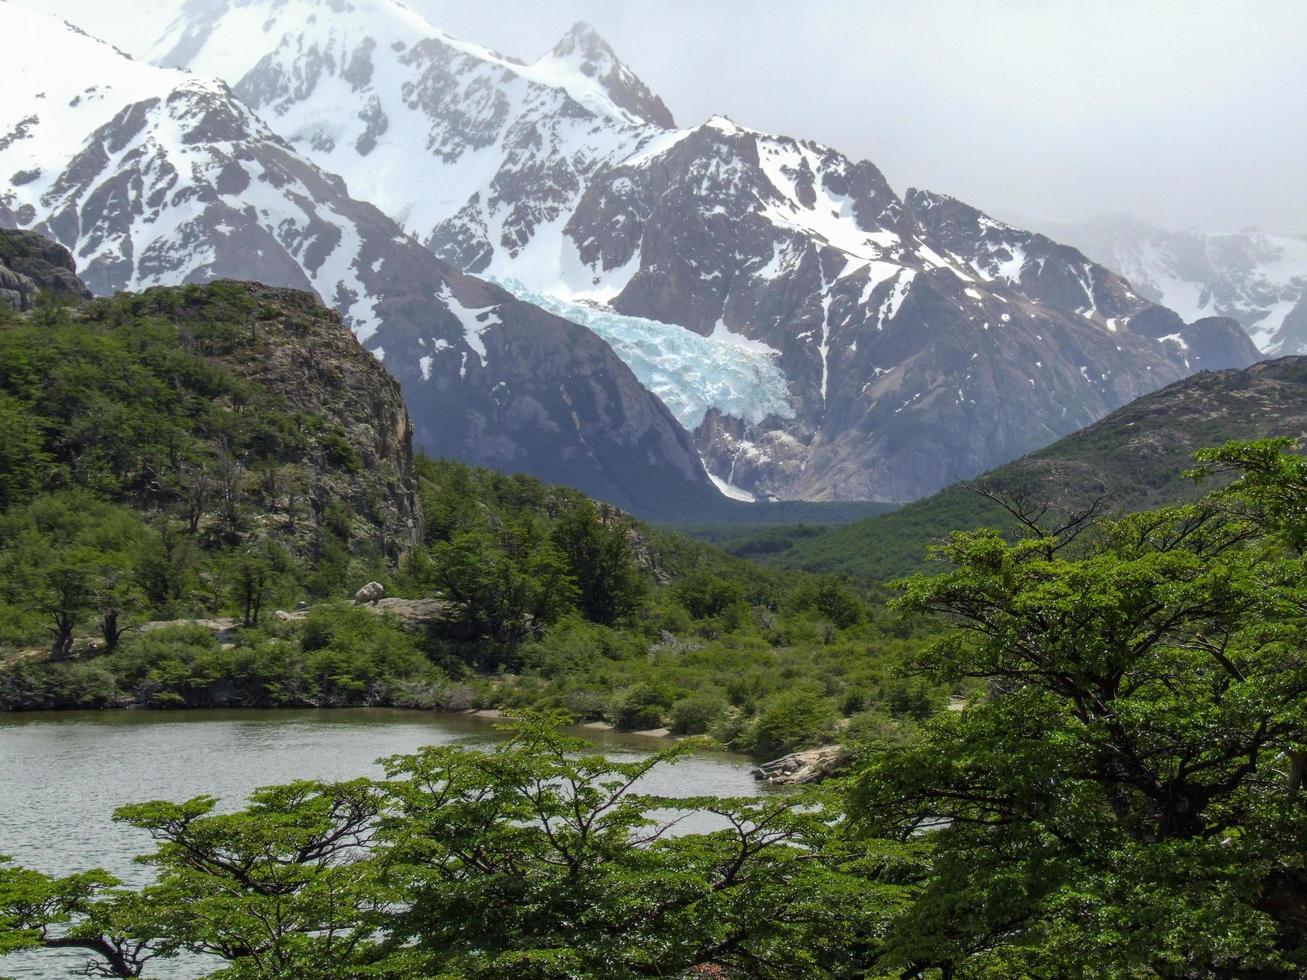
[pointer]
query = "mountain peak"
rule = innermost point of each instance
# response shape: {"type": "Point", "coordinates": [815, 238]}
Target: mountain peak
{"type": "Point", "coordinates": [585, 39]}
{"type": "Point", "coordinates": [584, 50]}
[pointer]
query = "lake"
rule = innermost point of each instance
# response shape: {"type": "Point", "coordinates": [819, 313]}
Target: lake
{"type": "Point", "coordinates": [63, 773]}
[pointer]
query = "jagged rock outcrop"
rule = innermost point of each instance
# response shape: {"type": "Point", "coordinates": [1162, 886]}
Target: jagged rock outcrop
{"type": "Point", "coordinates": [30, 265]}
{"type": "Point", "coordinates": [304, 354]}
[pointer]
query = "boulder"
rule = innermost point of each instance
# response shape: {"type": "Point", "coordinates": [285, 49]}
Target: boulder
{"type": "Point", "coordinates": [370, 593]}
{"type": "Point", "coordinates": [809, 766]}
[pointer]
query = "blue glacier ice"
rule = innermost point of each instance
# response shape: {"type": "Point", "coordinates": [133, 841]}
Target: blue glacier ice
{"type": "Point", "coordinates": [690, 373]}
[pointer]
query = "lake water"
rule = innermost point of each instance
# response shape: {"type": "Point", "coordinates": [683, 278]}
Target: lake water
{"type": "Point", "coordinates": [63, 773]}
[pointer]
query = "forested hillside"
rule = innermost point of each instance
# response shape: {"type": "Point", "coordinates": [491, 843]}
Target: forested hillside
{"type": "Point", "coordinates": [195, 482]}
{"type": "Point", "coordinates": [1134, 458]}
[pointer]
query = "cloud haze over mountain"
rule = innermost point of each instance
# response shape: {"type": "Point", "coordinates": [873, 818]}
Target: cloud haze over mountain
{"type": "Point", "coordinates": [1185, 112]}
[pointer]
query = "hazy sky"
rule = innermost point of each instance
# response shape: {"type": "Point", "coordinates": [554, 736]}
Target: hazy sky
{"type": "Point", "coordinates": [1186, 112]}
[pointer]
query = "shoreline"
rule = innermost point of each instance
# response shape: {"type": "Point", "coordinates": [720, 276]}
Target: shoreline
{"type": "Point", "coordinates": [489, 717]}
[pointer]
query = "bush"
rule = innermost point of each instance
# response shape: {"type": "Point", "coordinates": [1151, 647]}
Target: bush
{"type": "Point", "coordinates": [697, 714]}
{"type": "Point", "coordinates": [791, 720]}
{"type": "Point", "coordinates": [638, 709]}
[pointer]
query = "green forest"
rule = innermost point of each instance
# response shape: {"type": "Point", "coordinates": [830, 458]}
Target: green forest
{"type": "Point", "coordinates": [1116, 792]}
{"type": "Point", "coordinates": [144, 481]}
{"type": "Point", "coordinates": [1123, 800]}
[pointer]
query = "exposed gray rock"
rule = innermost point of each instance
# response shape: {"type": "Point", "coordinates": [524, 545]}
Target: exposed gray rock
{"type": "Point", "coordinates": [30, 265]}
{"type": "Point", "coordinates": [809, 766]}
{"type": "Point", "coordinates": [369, 593]}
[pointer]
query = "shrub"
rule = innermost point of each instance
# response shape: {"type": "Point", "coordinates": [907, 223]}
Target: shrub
{"type": "Point", "coordinates": [791, 720]}
{"type": "Point", "coordinates": [695, 715]}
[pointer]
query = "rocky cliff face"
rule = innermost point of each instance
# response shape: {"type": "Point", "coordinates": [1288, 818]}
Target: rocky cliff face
{"type": "Point", "coordinates": [292, 346]}
{"type": "Point", "coordinates": [30, 265]}
{"type": "Point", "coordinates": [158, 177]}
{"type": "Point", "coordinates": [342, 436]}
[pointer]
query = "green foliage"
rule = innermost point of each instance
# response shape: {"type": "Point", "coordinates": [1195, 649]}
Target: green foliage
{"type": "Point", "coordinates": [601, 557]}
{"type": "Point", "coordinates": [68, 558]}
{"type": "Point", "coordinates": [536, 859]}
{"type": "Point", "coordinates": [791, 720]}
{"type": "Point", "coordinates": [193, 481]}
{"type": "Point", "coordinates": [1127, 800]}
{"type": "Point", "coordinates": [507, 585]}
{"type": "Point", "coordinates": [706, 595]}
{"type": "Point", "coordinates": [150, 472]}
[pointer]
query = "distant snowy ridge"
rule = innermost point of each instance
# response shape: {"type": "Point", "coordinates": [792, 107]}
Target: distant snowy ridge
{"type": "Point", "coordinates": [1254, 277]}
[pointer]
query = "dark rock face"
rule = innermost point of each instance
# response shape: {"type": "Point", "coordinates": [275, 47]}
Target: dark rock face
{"type": "Point", "coordinates": [1294, 328]}
{"type": "Point", "coordinates": [1216, 343]}
{"type": "Point", "coordinates": [501, 383]}
{"type": "Point", "coordinates": [1040, 269]}
{"type": "Point", "coordinates": [30, 264]}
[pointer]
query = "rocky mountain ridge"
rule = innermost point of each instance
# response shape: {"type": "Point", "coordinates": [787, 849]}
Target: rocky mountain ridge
{"type": "Point", "coordinates": [916, 341]}
{"type": "Point", "coordinates": [154, 176]}
{"type": "Point", "coordinates": [1134, 458]}
{"type": "Point", "coordinates": [1251, 276]}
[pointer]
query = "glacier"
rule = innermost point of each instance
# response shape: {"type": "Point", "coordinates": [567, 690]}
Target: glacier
{"type": "Point", "coordinates": [688, 372]}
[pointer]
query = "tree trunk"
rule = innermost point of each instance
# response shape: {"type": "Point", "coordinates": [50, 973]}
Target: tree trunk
{"type": "Point", "coordinates": [109, 629]}
{"type": "Point", "coordinates": [62, 648]}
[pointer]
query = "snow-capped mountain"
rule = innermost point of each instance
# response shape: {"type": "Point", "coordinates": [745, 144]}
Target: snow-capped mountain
{"type": "Point", "coordinates": [154, 176]}
{"type": "Point", "coordinates": [1255, 278]}
{"type": "Point", "coordinates": [822, 337]}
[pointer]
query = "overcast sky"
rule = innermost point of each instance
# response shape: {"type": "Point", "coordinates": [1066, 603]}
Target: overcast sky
{"type": "Point", "coordinates": [1185, 112]}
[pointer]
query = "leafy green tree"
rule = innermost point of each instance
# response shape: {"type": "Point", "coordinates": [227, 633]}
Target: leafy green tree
{"type": "Point", "coordinates": [696, 714]}
{"type": "Point", "coordinates": [24, 463]}
{"type": "Point", "coordinates": [81, 911]}
{"type": "Point", "coordinates": [69, 558]}
{"type": "Point", "coordinates": [1127, 801]}
{"type": "Point", "coordinates": [507, 585]}
{"type": "Point", "coordinates": [599, 550]}
{"type": "Point", "coordinates": [283, 888]}
{"type": "Point", "coordinates": [791, 720]}
{"type": "Point", "coordinates": [542, 860]}
{"type": "Point", "coordinates": [258, 575]}
{"type": "Point", "coordinates": [829, 599]}
{"type": "Point", "coordinates": [706, 595]}
{"type": "Point", "coordinates": [535, 860]}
